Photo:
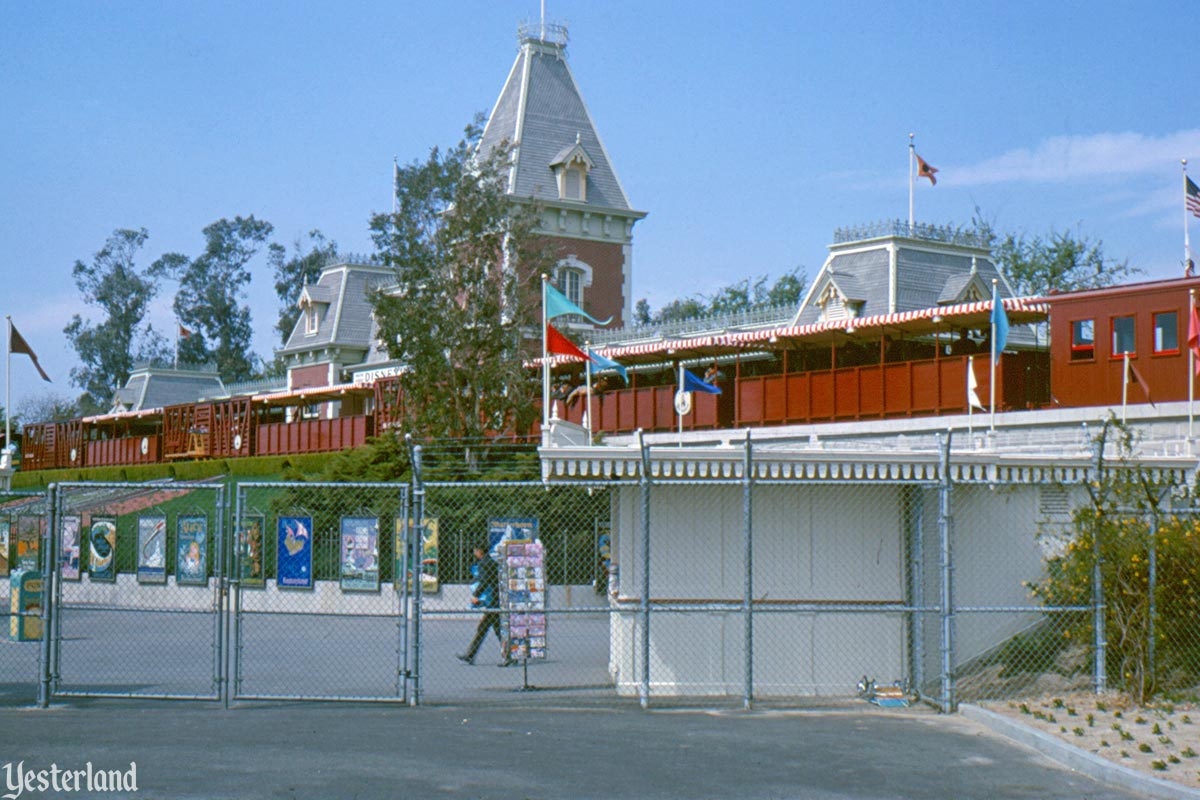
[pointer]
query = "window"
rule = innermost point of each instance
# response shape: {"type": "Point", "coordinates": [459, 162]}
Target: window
{"type": "Point", "coordinates": [312, 319]}
{"type": "Point", "coordinates": [1083, 340]}
{"type": "Point", "coordinates": [1166, 332]}
{"type": "Point", "coordinates": [1122, 337]}
{"type": "Point", "coordinates": [573, 180]}
{"type": "Point", "coordinates": [570, 283]}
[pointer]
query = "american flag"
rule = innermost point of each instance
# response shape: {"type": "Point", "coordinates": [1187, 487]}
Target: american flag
{"type": "Point", "coordinates": [1192, 196]}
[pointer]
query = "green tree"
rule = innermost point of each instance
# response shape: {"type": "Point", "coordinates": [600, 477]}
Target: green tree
{"type": "Point", "coordinates": [212, 291]}
{"type": "Point", "coordinates": [1060, 261]}
{"type": "Point", "coordinates": [122, 291]}
{"type": "Point", "coordinates": [744, 295]}
{"type": "Point", "coordinates": [291, 274]}
{"type": "Point", "coordinates": [464, 314]}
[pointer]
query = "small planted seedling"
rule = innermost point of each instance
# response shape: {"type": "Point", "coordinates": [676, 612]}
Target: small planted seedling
{"type": "Point", "coordinates": [1024, 708]}
{"type": "Point", "coordinates": [1174, 759]}
{"type": "Point", "coordinates": [1164, 740]}
{"type": "Point", "coordinates": [1071, 711]}
{"type": "Point", "coordinates": [1126, 736]}
{"type": "Point", "coordinates": [1185, 719]}
{"type": "Point", "coordinates": [1058, 703]}
{"type": "Point", "coordinates": [1140, 720]}
{"type": "Point", "coordinates": [1091, 719]}
{"type": "Point", "coordinates": [1188, 753]}
{"type": "Point", "coordinates": [1078, 731]}
{"type": "Point", "coordinates": [1100, 706]}
{"type": "Point", "coordinates": [1104, 743]}
{"type": "Point", "coordinates": [1158, 765]}
{"type": "Point", "coordinates": [1145, 748]}
{"type": "Point", "coordinates": [1157, 729]}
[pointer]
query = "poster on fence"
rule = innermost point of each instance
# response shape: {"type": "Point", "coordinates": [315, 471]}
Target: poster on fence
{"type": "Point", "coordinates": [29, 539]}
{"type": "Point", "coordinates": [507, 529]}
{"type": "Point", "coordinates": [294, 553]}
{"type": "Point", "coordinates": [429, 556]}
{"type": "Point", "coordinates": [152, 550]}
{"type": "Point", "coordinates": [523, 593]}
{"type": "Point", "coordinates": [102, 549]}
{"type": "Point", "coordinates": [191, 550]}
{"type": "Point", "coordinates": [360, 554]}
{"type": "Point", "coordinates": [250, 551]}
{"type": "Point", "coordinates": [68, 551]}
{"type": "Point", "coordinates": [5, 558]}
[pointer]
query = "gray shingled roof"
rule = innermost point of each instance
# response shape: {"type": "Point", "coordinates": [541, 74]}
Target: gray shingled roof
{"type": "Point", "coordinates": [158, 387]}
{"type": "Point", "coordinates": [346, 321]}
{"type": "Point", "coordinates": [921, 276]}
{"type": "Point", "coordinates": [864, 273]}
{"type": "Point", "coordinates": [555, 115]}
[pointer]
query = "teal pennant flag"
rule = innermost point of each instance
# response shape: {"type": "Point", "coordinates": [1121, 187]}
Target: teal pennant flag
{"type": "Point", "coordinates": [607, 363]}
{"type": "Point", "coordinates": [557, 304]}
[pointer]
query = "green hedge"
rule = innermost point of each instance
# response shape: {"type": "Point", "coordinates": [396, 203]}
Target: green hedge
{"type": "Point", "coordinates": [256, 467]}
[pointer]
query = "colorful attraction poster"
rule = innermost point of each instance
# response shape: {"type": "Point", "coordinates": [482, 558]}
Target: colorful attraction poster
{"type": "Point", "coordinates": [102, 549]}
{"type": "Point", "coordinates": [294, 560]}
{"type": "Point", "coordinates": [429, 556]}
{"type": "Point", "coordinates": [29, 537]}
{"type": "Point", "coordinates": [508, 529]}
{"type": "Point", "coordinates": [152, 550]}
{"type": "Point", "coordinates": [250, 551]}
{"type": "Point", "coordinates": [191, 550]}
{"type": "Point", "coordinates": [69, 549]}
{"type": "Point", "coordinates": [5, 557]}
{"type": "Point", "coordinates": [360, 554]}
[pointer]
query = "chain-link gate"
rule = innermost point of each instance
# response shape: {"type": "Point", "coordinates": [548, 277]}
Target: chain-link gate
{"type": "Point", "coordinates": [541, 623]}
{"type": "Point", "coordinates": [138, 595]}
{"type": "Point", "coordinates": [23, 532]}
{"type": "Point", "coordinates": [320, 600]}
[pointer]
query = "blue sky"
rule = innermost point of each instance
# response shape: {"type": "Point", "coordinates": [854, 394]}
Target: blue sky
{"type": "Point", "coordinates": [749, 133]}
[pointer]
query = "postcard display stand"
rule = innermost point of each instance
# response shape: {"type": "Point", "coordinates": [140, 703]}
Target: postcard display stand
{"type": "Point", "coordinates": [523, 594]}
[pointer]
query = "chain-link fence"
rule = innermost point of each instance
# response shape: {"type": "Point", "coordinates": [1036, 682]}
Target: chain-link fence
{"type": "Point", "coordinates": [137, 600]}
{"type": "Point", "coordinates": [320, 600]}
{"type": "Point", "coordinates": [23, 525]}
{"type": "Point", "coordinates": [942, 582]}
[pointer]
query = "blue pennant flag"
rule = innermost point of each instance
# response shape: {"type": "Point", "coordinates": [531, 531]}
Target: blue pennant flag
{"type": "Point", "coordinates": [557, 304]}
{"type": "Point", "coordinates": [999, 324]}
{"type": "Point", "coordinates": [607, 363]}
{"type": "Point", "coordinates": [693, 384]}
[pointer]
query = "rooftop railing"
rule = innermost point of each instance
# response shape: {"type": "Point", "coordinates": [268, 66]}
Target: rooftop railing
{"type": "Point", "coordinates": [750, 319]}
{"type": "Point", "coordinates": [919, 230]}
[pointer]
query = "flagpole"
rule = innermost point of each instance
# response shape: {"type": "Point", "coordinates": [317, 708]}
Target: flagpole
{"type": "Point", "coordinates": [395, 185]}
{"type": "Point", "coordinates": [1191, 363]}
{"type": "Point", "coordinates": [970, 405]}
{"type": "Point", "coordinates": [1125, 389]}
{"type": "Point", "coordinates": [1187, 245]}
{"type": "Point", "coordinates": [177, 347]}
{"type": "Point", "coordinates": [587, 414]}
{"type": "Point", "coordinates": [545, 370]}
{"type": "Point", "coordinates": [8, 394]}
{"type": "Point", "coordinates": [911, 156]}
{"type": "Point", "coordinates": [995, 357]}
{"type": "Point", "coordinates": [677, 414]}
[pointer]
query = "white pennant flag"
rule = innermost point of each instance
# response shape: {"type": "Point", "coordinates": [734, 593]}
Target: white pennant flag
{"type": "Point", "coordinates": [973, 386]}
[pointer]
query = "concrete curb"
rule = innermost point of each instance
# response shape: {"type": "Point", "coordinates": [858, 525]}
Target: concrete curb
{"type": "Point", "coordinates": [1081, 761]}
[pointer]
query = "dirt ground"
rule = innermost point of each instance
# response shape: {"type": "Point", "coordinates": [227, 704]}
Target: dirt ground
{"type": "Point", "coordinates": [1162, 740]}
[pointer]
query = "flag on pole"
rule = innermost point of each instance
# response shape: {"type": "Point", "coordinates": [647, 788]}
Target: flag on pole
{"type": "Point", "coordinates": [557, 344]}
{"type": "Point", "coordinates": [1133, 376]}
{"type": "Point", "coordinates": [1192, 196]}
{"type": "Point", "coordinates": [924, 170]}
{"type": "Point", "coordinates": [973, 387]}
{"type": "Point", "coordinates": [693, 384]}
{"type": "Point", "coordinates": [558, 304]}
{"type": "Point", "coordinates": [1193, 340]}
{"type": "Point", "coordinates": [607, 363]}
{"type": "Point", "coordinates": [184, 333]}
{"type": "Point", "coordinates": [1000, 326]}
{"type": "Point", "coordinates": [17, 344]}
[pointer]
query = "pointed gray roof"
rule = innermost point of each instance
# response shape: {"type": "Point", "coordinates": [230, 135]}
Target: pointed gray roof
{"type": "Point", "coordinates": [157, 387]}
{"type": "Point", "coordinates": [542, 113]}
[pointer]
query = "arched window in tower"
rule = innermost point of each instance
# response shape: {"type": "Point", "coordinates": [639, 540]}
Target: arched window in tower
{"type": "Point", "coordinates": [572, 277]}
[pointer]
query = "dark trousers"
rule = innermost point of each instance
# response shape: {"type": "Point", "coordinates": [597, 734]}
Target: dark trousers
{"type": "Point", "coordinates": [490, 619]}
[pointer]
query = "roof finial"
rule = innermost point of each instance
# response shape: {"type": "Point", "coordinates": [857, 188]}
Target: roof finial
{"type": "Point", "coordinates": [578, 137]}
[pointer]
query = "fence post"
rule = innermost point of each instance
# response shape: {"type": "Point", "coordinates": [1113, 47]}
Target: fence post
{"type": "Point", "coordinates": [224, 575]}
{"type": "Point", "coordinates": [914, 511]}
{"type": "Point", "coordinates": [748, 547]}
{"type": "Point", "coordinates": [1151, 584]}
{"type": "Point", "coordinates": [644, 481]}
{"type": "Point", "coordinates": [49, 560]}
{"type": "Point", "coordinates": [413, 538]}
{"type": "Point", "coordinates": [1099, 665]}
{"type": "Point", "coordinates": [945, 531]}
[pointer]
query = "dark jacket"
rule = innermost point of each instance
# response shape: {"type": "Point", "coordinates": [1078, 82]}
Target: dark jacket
{"type": "Point", "coordinates": [487, 587]}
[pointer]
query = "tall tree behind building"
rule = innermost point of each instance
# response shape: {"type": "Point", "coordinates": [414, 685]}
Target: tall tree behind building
{"type": "Point", "coordinates": [466, 310]}
{"type": "Point", "coordinates": [107, 350]}
{"type": "Point", "coordinates": [291, 274]}
{"type": "Point", "coordinates": [210, 302]}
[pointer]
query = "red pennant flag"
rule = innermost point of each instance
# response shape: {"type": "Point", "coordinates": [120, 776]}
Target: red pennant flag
{"type": "Point", "coordinates": [924, 170]}
{"type": "Point", "coordinates": [1194, 337]}
{"type": "Point", "coordinates": [17, 344]}
{"type": "Point", "coordinates": [184, 333]}
{"type": "Point", "coordinates": [1133, 376]}
{"type": "Point", "coordinates": [557, 344]}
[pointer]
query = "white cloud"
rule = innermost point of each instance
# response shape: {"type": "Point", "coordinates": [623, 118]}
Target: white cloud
{"type": "Point", "coordinates": [1068, 158]}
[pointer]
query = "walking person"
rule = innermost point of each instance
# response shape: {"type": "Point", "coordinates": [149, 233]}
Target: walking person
{"type": "Point", "coordinates": [486, 595]}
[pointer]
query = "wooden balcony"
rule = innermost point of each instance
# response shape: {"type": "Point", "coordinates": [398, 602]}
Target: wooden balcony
{"type": "Point", "coordinates": [312, 435]}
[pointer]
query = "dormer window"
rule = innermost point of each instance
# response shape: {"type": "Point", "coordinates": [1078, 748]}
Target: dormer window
{"type": "Point", "coordinates": [571, 167]}
{"type": "Point", "coordinates": [835, 306]}
{"type": "Point", "coordinates": [312, 320]}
